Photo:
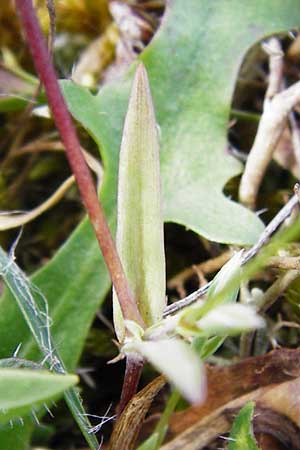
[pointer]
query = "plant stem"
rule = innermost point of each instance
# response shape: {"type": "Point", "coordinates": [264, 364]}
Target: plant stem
{"type": "Point", "coordinates": [134, 366]}
{"type": "Point", "coordinates": [278, 288]}
{"type": "Point", "coordinates": [45, 69]}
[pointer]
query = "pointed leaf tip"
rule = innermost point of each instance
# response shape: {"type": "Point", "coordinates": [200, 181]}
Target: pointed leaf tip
{"type": "Point", "coordinates": [141, 72]}
{"type": "Point", "coordinates": [140, 240]}
{"type": "Point", "coordinates": [241, 435]}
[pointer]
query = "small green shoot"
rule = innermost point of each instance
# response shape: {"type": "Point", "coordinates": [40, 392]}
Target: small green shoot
{"type": "Point", "coordinates": [241, 435]}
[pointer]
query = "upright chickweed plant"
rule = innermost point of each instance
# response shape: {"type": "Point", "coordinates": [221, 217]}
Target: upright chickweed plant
{"type": "Point", "coordinates": [165, 343]}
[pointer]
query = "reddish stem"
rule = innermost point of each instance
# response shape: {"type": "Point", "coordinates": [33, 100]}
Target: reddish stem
{"type": "Point", "coordinates": [45, 69]}
{"type": "Point", "coordinates": [134, 367]}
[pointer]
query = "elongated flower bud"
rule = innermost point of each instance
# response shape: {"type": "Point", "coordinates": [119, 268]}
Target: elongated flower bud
{"type": "Point", "coordinates": [140, 224]}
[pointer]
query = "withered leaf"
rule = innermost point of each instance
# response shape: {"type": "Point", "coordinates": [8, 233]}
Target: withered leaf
{"type": "Point", "coordinates": [228, 383]}
{"type": "Point", "coordinates": [131, 420]}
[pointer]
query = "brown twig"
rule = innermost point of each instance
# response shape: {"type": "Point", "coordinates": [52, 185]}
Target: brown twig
{"type": "Point", "coordinates": [273, 48]}
{"type": "Point", "coordinates": [45, 145]}
{"type": "Point", "coordinates": [37, 146]}
{"type": "Point", "coordinates": [275, 223]}
{"type": "Point", "coordinates": [273, 120]}
{"type": "Point", "coordinates": [13, 190]}
{"type": "Point", "coordinates": [83, 177]}
{"type": "Point", "coordinates": [209, 266]}
{"type": "Point", "coordinates": [277, 289]}
{"type": "Point", "coordinates": [295, 139]}
{"type": "Point", "coordinates": [284, 262]}
{"type": "Point", "coordinates": [183, 303]}
{"type": "Point", "coordinates": [52, 26]}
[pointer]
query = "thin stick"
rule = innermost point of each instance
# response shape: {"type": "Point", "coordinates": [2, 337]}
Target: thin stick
{"type": "Point", "coordinates": [272, 123]}
{"type": "Point", "coordinates": [284, 262]}
{"type": "Point", "coordinates": [295, 139]}
{"type": "Point", "coordinates": [52, 25]}
{"type": "Point", "coordinates": [275, 223]}
{"type": "Point", "coordinates": [82, 174]}
{"type": "Point", "coordinates": [278, 288]}
{"type": "Point", "coordinates": [274, 50]}
{"type": "Point", "coordinates": [211, 265]}
{"type": "Point", "coordinates": [193, 297]}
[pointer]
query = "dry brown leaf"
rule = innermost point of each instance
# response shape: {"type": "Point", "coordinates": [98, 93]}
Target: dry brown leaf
{"type": "Point", "coordinates": [284, 399]}
{"type": "Point", "coordinates": [131, 420]}
{"type": "Point", "coordinates": [228, 383]}
{"type": "Point", "coordinates": [206, 430]}
{"type": "Point", "coordinates": [277, 413]}
{"type": "Point", "coordinates": [262, 379]}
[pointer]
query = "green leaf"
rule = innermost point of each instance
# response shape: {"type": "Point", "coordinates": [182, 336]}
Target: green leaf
{"type": "Point", "coordinates": [205, 347]}
{"type": "Point", "coordinates": [241, 436]}
{"type": "Point", "coordinates": [140, 240]}
{"type": "Point", "coordinates": [35, 310]}
{"type": "Point", "coordinates": [21, 390]}
{"type": "Point", "coordinates": [221, 281]}
{"type": "Point", "coordinates": [16, 437]}
{"type": "Point", "coordinates": [192, 65]}
{"type": "Point", "coordinates": [74, 283]}
{"type": "Point", "coordinates": [150, 443]}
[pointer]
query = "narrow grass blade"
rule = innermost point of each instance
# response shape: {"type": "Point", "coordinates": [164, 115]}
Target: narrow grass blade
{"type": "Point", "coordinates": [157, 437]}
{"type": "Point", "coordinates": [34, 308]}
